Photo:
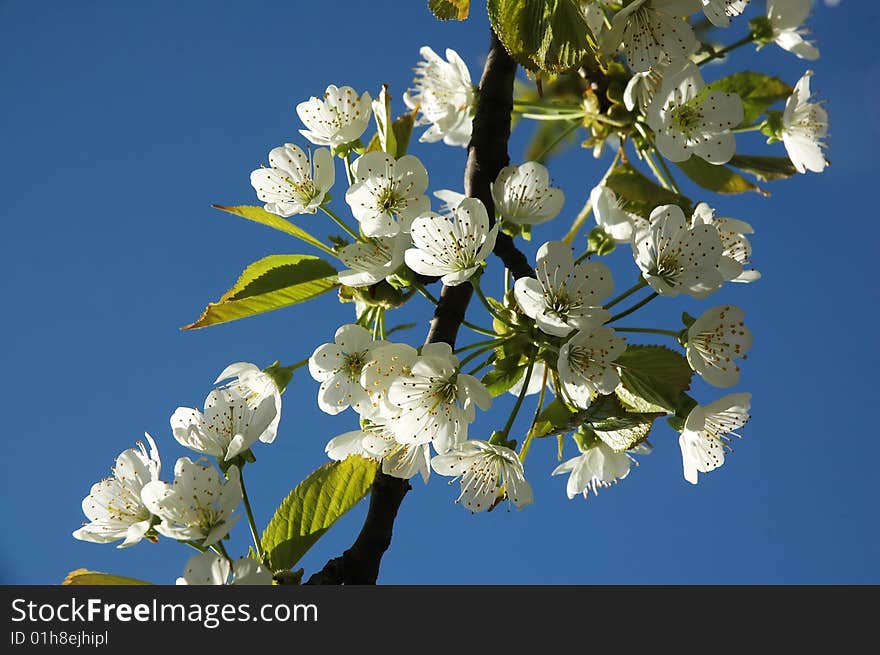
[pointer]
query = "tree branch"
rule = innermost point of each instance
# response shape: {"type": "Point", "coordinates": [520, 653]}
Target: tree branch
{"type": "Point", "coordinates": [487, 155]}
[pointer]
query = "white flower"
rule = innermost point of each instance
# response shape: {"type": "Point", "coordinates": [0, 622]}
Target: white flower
{"type": "Point", "coordinates": [483, 469]}
{"type": "Point", "coordinates": [436, 402]}
{"type": "Point", "coordinates": [594, 14]}
{"type": "Point", "coordinates": [338, 365]}
{"type": "Point", "coordinates": [339, 119]}
{"type": "Point", "coordinates": [677, 259]}
{"type": "Point", "coordinates": [610, 216]}
{"type": "Point", "coordinates": [586, 364]}
{"type": "Point", "coordinates": [597, 467]}
{"type": "Point", "coordinates": [706, 430]}
{"type": "Point", "coordinates": [198, 506]}
{"type": "Point", "coordinates": [231, 423]}
{"type": "Point", "coordinates": [651, 31]}
{"type": "Point", "coordinates": [642, 87]}
{"type": "Point", "coordinates": [372, 260]}
{"type": "Point", "coordinates": [523, 195]}
{"type": "Point", "coordinates": [451, 200]}
{"type": "Point", "coordinates": [386, 188]}
{"type": "Point", "coordinates": [564, 297]}
{"type": "Point", "coordinates": [387, 363]}
{"type": "Point", "coordinates": [714, 341]}
{"type": "Point", "coordinates": [345, 445]}
{"type": "Point", "coordinates": [208, 568]}
{"type": "Point", "coordinates": [293, 184]}
{"type": "Point", "coordinates": [686, 124]}
{"type": "Point", "coordinates": [804, 125]}
{"type": "Point", "coordinates": [719, 12]}
{"type": "Point", "coordinates": [399, 460]}
{"type": "Point", "coordinates": [452, 247]}
{"type": "Point", "coordinates": [786, 18]}
{"type": "Point", "coordinates": [736, 250]}
{"type": "Point", "coordinates": [114, 507]}
{"type": "Point", "coordinates": [254, 385]}
{"type": "Point", "coordinates": [444, 96]}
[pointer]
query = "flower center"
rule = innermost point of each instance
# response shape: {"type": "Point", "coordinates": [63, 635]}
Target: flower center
{"type": "Point", "coordinates": [353, 364]}
{"type": "Point", "coordinates": [687, 118]}
{"type": "Point", "coordinates": [304, 191]}
{"type": "Point", "coordinates": [390, 201]}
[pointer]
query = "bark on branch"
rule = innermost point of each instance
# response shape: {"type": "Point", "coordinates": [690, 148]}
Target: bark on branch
{"type": "Point", "coordinates": [487, 155]}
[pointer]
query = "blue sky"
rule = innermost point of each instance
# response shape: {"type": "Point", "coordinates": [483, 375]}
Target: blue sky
{"type": "Point", "coordinates": [123, 122]}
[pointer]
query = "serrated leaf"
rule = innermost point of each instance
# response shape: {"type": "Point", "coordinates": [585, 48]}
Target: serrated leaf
{"type": "Point", "coordinates": [636, 403]}
{"type": "Point", "coordinates": [626, 432]}
{"type": "Point", "coordinates": [86, 577]}
{"type": "Point", "coordinates": [641, 195]}
{"type": "Point", "coordinates": [270, 283]}
{"type": "Point", "coordinates": [261, 216]}
{"type": "Point", "coordinates": [717, 178]}
{"type": "Point", "coordinates": [655, 374]}
{"type": "Point", "coordinates": [313, 507]}
{"type": "Point", "coordinates": [756, 90]}
{"type": "Point", "coordinates": [450, 9]}
{"type": "Point", "coordinates": [765, 168]}
{"type": "Point", "coordinates": [542, 35]}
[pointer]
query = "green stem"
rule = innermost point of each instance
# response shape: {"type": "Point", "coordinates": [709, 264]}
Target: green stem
{"type": "Point", "coordinates": [626, 294]}
{"type": "Point", "coordinates": [555, 142]}
{"type": "Point", "coordinates": [750, 128]}
{"type": "Point", "coordinates": [220, 549]}
{"type": "Point", "coordinates": [476, 285]}
{"type": "Point", "coordinates": [478, 352]}
{"type": "Point", "coordinates": [482, 365]}
{"type": "Point", "coordinates": [341, 223]}
{"type": "Point", "coordinates": [638, 305]}
{"type": "Point", "coordinates": [524, 450]}
{"type": "Point", "coordinates": [519, 399]}
{"type": "Point", "coordinates": [718, 54]}
{"type": "Point", "coordinates": [649, 159]}
{"type": "Point", "coordinates": [478, 329]}
{"type": "Point", "coordinates": [479, 344]}
{"type": "Point", "coordinates": [193, 544]}
{"type": "Point", "coordinates": [668, 173]}
{"type": "Point", "coordinates": [427, 294]}
{"type": "Point", "coordinates": [584, 214]}
{"type": "Point", "coordinates": [255, 534]}
{"type": "Point", "coordinates": [669, 333]}
{"type": "Point", "coordinates": [348, 174]}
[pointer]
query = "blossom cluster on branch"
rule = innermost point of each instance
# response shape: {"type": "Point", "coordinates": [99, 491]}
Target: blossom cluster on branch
{"type": "Point", "coordinates": [557, 332]}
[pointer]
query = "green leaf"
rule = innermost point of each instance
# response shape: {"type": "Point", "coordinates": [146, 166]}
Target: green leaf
{"type": "Point", "coordinates": [636, 403]}
{"type": "Point", "coordinates": [553, 419]}
{"type": "Point", "coordinates": [625, 432]}
{"type": "Point", "coordinates": [639, 194]}
{"type": "Point", "coordinates": [402, 128]}
{"type": "Point", "coordinates": [542, 35]}
{"type": "Point", "coordinates": [501, 379]}
{"type": "Point", "coordinates": [450, 9]}
{"type": "Point", "coordinates": [719, 179]}
{"type": "Point", "coordinates": [270, 283]}
{"type": "Point", "coordinates": [765, 168]}
{"type": "Point", "coordinates": [756, 90]}
{"type": "Point", "coordinates": [86, 577]}
{"type": "Point", "coordinates": [261, 216]}
{"type": "Point", "coordinates": [657, 375]}
{"type": "Point", "coordinates": [315, 505]}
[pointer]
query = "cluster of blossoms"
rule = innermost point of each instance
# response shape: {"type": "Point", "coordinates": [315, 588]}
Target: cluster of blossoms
{"type": "Point", "coordinates": [555, 332]}
{"type": "Point", "coordinates": [199, 507]}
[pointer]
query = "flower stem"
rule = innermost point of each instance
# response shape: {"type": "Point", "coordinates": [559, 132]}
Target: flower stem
{"type": "Point", "coordinates": [649, 158]}
{"type": "Point", "coordinates": [482, 365]}
{"type": "Point", "coordinates": [348, 174]}
{"type": "Point", "coordinates": [220, 549]}
{"type": "Point", "coordinates": [750, 128]}
{"type": "Point", "coordinates": [519, 399]}
{"type": "Point", "coordinates": [429, 296]}
{"type": "Point", "coordinates": [524, 450]}
{"type": "Point", "coordinates": [193, 544]}
{"type": "Point", "coordinates": [626, 294]}
{"type": "Point", "coordinates": [555, 142]}
{"type": "Point", "coordinates": [644, 301]}
{"type": "Point", "coordinates": [255, 534]}
{"type": "Point", "coordinates": [584, 213]}
{"type": "Point", "coordinates": [341, 223]}
{"type": "Point", "coordinates": [479, 352]}
{"type": "Point", "coordinates": [479, 344]}
{"type": "Point", "coordinates": [669, 176]}
{"type": "Point", "coordinates": [718, 54]}
{"type": "Point", "coordinates": [476, 285]}
{"type": "Point", "coordinates": [669, 333]}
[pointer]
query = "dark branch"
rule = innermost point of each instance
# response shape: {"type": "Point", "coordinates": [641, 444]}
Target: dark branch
{"type": "Point", "coordinates": [487, 155]}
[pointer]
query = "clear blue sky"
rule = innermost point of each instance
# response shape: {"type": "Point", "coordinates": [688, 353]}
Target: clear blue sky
{"type": "Point", "coordinates": [122, 122]}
